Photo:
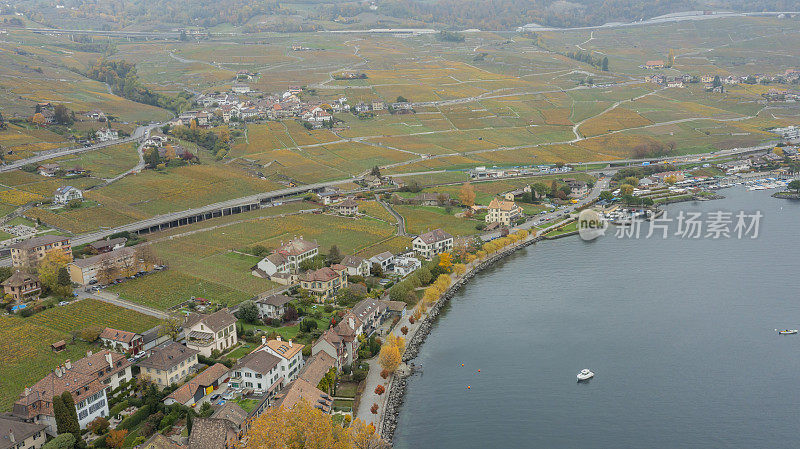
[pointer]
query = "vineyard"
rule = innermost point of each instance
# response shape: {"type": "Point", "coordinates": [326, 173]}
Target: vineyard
{"type": "Point", "coordinates": [25, 354]}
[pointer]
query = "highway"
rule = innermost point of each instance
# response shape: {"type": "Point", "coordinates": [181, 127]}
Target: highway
{"type": "Point", "coordinates": [42, 156]}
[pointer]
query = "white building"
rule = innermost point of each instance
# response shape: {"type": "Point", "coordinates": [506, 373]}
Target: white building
{"type": "Point", "coordinates": [503, 212]}
{"type": "Point", "coordinates": [432, 243]}
{"type": "Point", "coordinates": [356, 266]}
{"type": "Point", "coordinates": [384, 260]}
{"type": "Point", "coordinates": [260, 370]}
{"type": "Point", "coordinates": [207, 333]}
{"type": "Point", "coordinates": [272, 306]}
{"type": "Point", "coordinates": [289, 353]}
{"type": "Point", "coordinates": [65, 194]}
{"type": "Point", "coordinates": [405, 265]}
{"type": "Point", "coordinates": [105, 135]}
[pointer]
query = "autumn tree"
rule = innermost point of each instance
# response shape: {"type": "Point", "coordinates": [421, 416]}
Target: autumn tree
{"type": "Point", "coordinates": [116, 438]}
{"type": "Point", "coordinates": [380, 389]}
{"type": "Point", "coordinates": [459, 269]}
{"type": "Point", "coordinates": [396, 341]}
{"type": "Point", "coordinates": [108, 271]}
{"type": "Point", "coordinates": [626, 189]}
{"type": "Point", "coordinates": [304, 426]}
{"type": "Point", "coordinates": [171, 326]}
{"type": "Point", "coordinates": [671, 179]}
{"type": "Point", "coordinates": [445, 261]}
{"type": "Point", "coordinates": [389, 357]}
{"type": "Point", "coordinates": [48, 270]}
{"type": "Point", "coordinates": [38, 119]}
{"type": "Point", "coordinates": [632, 180]}
{"type": "Point", "coordinates": [467, 194]}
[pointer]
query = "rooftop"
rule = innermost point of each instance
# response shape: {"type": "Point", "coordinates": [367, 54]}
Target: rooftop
{"type": "Point", "coordinates": [167, 355]}
{"type": "Point", "coordinates": [39, 241]}
{"type": "Point", "coordinates": [186, 391]}
{"type": "Point", "coordinates": [437, 235]}
{"type": "Point", "coordinates": [286, 349]}
{"type": "Point", "coordinates": [21, 431]}
{"type": "Point", "coordinates": [216, 321]}
{"type": "Point", "coordinates": [296, 247]}
{"type": "Point", "coordinates": [258, 361]}
{"type": "Point", "coordinates": [117, 335]}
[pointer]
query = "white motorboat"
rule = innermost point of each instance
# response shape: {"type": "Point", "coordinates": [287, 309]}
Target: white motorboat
{"type": "Point", "coordinates": [787, 331]}
{"type": "Point", "coordinates": [585, 374]}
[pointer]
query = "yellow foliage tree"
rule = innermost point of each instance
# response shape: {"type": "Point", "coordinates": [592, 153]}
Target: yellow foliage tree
{"type": "Point", "coordinates": [442, 282]}
{"type": "Point", "coordinates": [389, 357]}
{"type": "Point", "coordinates": [49, 266]}
{"type": "Point", "coordinates": [304, 426]}
{"type": "Point", "coordinates": [459, 269]}
{"type": "Point", "coordinates": [471, 258]}
{"type": "Point", "coordinates": [481, 254]}
{"type": "Point", "coordinates": [671, 179]}
{"type": "Point", "coordinates": [398, 342]}
{"type": "Point", "coordinates": [445, 261]}
{"type": "Point", "coordinates": [467, 194]}
{"type": "Point", "coordinates": [626, 189]}
{"type": "Point", "coordinates": [38, 119]}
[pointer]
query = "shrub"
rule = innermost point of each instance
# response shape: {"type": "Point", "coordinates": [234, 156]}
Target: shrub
{"type": "Point", "coordinates": [411, 320]}
{"type": "Point", "coordinates": [135, 419]}
{"type": "Point", "coordinates": [374, 409]}
{"type": "Point", "coordinates": [379, 390]}
{"type": "Point", "coordinates": [404, 330]}
{"type": "Point", "coordinates": [385, 374]}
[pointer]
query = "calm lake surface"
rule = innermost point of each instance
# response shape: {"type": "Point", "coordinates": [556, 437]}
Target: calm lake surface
{"type": "Point", "coordinates": [680, 334]}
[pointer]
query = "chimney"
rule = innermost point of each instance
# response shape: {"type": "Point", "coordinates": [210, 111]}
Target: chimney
{"type": "Point", "coordinates": [27, 391]}
{"type": "Point", "coordinates": [290, 342]}
{"type": "Point", "coordinates": [88, 353]}
{"type": "Point", "coordinates": [68, 364]}
{"type": "Point", "coordinates": [263, 339]}
{"type": "Point", "coordinates": [58, 371]}
{"type": "Point", "coordinates": [11, 436]}
{"type": "Point", "coordinates": [278, 338]}
{"type": "Point", "coordinates": [352, 323]}
{"type": "Point", "coordinates": [109, 360]}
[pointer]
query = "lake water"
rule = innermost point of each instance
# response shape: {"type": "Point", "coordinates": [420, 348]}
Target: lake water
{"type": "Point", "coordinates": [679, 332]}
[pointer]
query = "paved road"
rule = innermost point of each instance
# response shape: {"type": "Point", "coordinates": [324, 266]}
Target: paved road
{"type": "Point", "coordinates": [401, 221]}
{"type": "Point", "coordinates": [112, 298]}
{"type": "Point", "coordinates": [140, 132]}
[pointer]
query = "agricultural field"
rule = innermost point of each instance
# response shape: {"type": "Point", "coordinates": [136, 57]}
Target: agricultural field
{"type": "Point", "coordinates": [213, 262]}
{"type": "Point", "coordinates": [25, 354]}
{"type": "Point", "coordinates": [421, 219]}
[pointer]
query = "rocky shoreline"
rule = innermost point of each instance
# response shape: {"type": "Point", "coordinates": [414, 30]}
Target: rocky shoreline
{"type": "Point", "coordinates": [397, 388]}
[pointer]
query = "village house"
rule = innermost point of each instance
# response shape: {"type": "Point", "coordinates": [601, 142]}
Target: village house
{"type": "Point", "coordinates": [378, 106]}
{"type": "Point", "coordinates": [121, 341]}
{"type": "Point", "coordinates": [213, 433]}
{"type": "Point", "coordinates": [106, 135]}
{"type": "Point", "coordinates": [65, 194]}
{"type": "Point", "coordinates": [405, 265]}
{"type": "Point", "coordinates": [108, 245]}
{"type": "Point", "coordinates": [29, 252]}
{"type": "Point", "coordinates": [385, 260]}
{"type": "Point", "coordinates": [432, 243]}
{"type": "Point", "coordinates": [503, 212]}
{"type": "Point", "coordinates": [208, 333]}
{"type": "Point", "coordinates": [289, 353]}
{"type": "Point", "coordinates": [89, 381]}
{"type": "Point", "coordinates": [373, 180]}
{"type": "Point", "coordinates": [48, 170]}
{"type": "Point", "coordinates": [286, 259]}
{"type": "Point", "coordinates": [325, 282]}
{"type": "Point", "coordinates": [340, 342]}
{"type": "Point", "coordinates": [169, 364]}
{"type": "Point", "coordinates": [370, 312]}
{"type": "Point", "coordinates": [302, 389]}
{"type": "Point", "coordinates": [655, 64]}
{"type": "Point", "coordinates": [577, 188]}
{"type": "Point", "coordinates": [348, 207]}
{"type": "Point", "coordinates": [159, 441]}
{"type": "Point", "coordinates": [22, 287]}
{"type": "Point", "coordinates": [236, 415]}
{"type": "Point", "coordinates": [679, 176]}
{"type": "Point", "coordinates": [356, 266]}
{"type": "Point", "coordinates": [154, 337]}
{"type": "Point", "coordinates": [272, 306]}
{"type": "Point", "coordinates": [18, 434]}
{"type": "Point", "coordinates": [259, 371]}
{"type": "Point", "coordinates": [104, 268]}
{"type": "Point", "coordinates": [240, 88]}
{"type": "Point", "coordinates": [199, 386]}
{"type": "Point", "coordinates": [96, 114]}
